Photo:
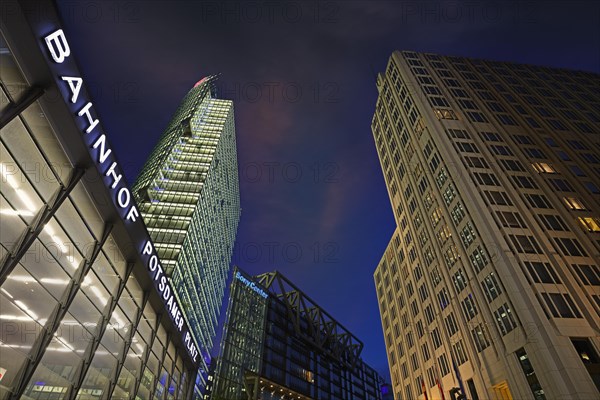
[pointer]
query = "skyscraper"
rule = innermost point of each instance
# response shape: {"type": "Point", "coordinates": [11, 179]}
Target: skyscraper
{"type": "Point", "coordinates": [188, 195]}
{"type": "Point", "coordinates": [279, 345]}
{"type": "Point", "coordinates": [490, 285]}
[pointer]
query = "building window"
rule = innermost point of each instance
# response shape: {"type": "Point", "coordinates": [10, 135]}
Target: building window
{"type": "Point", "coordinates": [468, 307]}
{"type": "Point", "coordinates": [443, 298]}
{"type": "Point", "coordinates": [522, 139]}
{"type": "Point", "coordinates": [425, 351]}
{"type": "Point", "coordinates": [561, 185]}
{"type": "Point", "coordinates": [505, 319]}
{"type": "Point", "coordinates": [476, 162]}
{"type": "Point", "coordinates": [409, 340]}
{"type": "Point", "coordinates": [486, 179]}
{"type": "Point", "coordinates": [479, 259]}
{"type": "Point", "coordinates": [436, 216]}
{"type": "Point", "coordinates": [511, 165]}
{"type": "Point", "coordinates": [429, 315]}
{"type": "Point", "coordinates": [592, 187]}
{"type": "Point", "coordinates": [444, 234]}
{"type": "Point", "coordinates": [467, 235]}
{"type": "Point", "coordinates": [540, 272]}
{"type": "Point", "coordinates": [561, 305]}
{"type": "Point", "coordinates": [574, 203]}
{"type": "Point", "coordinates": [525, 244]}
{"type": "Point", "coordinates": [501, 150]}
{"type": "Point", "coordinates": [497, 198]}
{"type": "Point", "coordinates": [510, 219]}
{"type": "Point", "coordinates": [444, 114]}
{"type": "Point", "coordinates": [590, 224]}
{"type": "Point", "coordinates": [587, 274]}
{"type": "Point", "coordinates": [532, 380]}
{"type": "Point", "coordinates": [404, 371]}
{"type": "Point", "coordinates": [491, 287]}
{"type": "Point", "coordinates": [443, 363]}
{"type": "Point", "coordinates": [570, 247]}
{"type": "Point", "coordinates": [451, 256]}
{"type": "Point", "coordinates": [449, 194]}
{"type": "Point", "coordinates": [490, 137]}
{"type": "Point", "coordinates": [436, 338]}
{"type": "Point", "coordinates": [457, 213]}
{"type": "Point", "coordinates": [442, 177]}
{"type": "Point", "coordinates": [553, 222]}
{"type": "Point", "coordinates": [533, 152]}
{"type": "Point", "coordinates": [451, 326]}
{"type": "Point", "coordinates": [576, 170]}
{"type": "Point", "coordinates": [523, 182]}
{"type": "Point", "coordinates": [480, 337]}
{"type": "Point", "coordinates": [476, 116]}
{"type": "Point", "coordinates": [414, 362]}
{"type": "Point", "coordinates": [420, 329]}
{"type": "Point", "coordinates": [423, 293]}
{"type": "Point", "coordinates": [458, 350]}
{"type": "Point", "coordinates": [543, 168]}
{"type": "Point", "coordinates": [460, 281]}
{"type": "Point", "coordinates": [467, 147]}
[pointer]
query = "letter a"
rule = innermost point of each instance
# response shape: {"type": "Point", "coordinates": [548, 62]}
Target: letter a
{"type": "Point", "coordinates": [75, 87]}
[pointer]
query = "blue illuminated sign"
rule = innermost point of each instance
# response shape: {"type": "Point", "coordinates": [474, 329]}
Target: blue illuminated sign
{"type": "Point", "coordinates": [251, 285]}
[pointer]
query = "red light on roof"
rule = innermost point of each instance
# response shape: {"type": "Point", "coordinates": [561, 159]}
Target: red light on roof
{"type": "Point", "coordinates": [200, 81]}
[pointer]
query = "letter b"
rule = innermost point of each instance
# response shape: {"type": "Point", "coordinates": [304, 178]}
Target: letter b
{"type": "Point", "coordinates": [58, 46]}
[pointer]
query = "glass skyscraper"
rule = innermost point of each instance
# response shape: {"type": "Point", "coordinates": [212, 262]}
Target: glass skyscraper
{"type": "Point", "coordinates": [490, 285]}
{"type": "Point", "coordinates": [278, 344]}
{"type": "Point", "coordinates": [188, 195]}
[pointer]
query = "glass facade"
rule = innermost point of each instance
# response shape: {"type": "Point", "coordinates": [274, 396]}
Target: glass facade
{"type": "Point", "coordinates": [79, 317]}
{"type": "Point", "coordinates": [492, 171]}
{"type": "Point", "coordinates": [271, 351]}
{"type": "Point", "coordinates": [188, 195]}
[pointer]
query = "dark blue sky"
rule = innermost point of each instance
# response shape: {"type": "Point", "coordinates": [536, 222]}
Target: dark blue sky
{"type": "Point", "coordinates": [301, 74]}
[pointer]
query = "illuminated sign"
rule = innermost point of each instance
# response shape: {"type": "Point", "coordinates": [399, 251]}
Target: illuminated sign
{"type": "Point", "coordinates": [71, 87]}
{"type": "Point", "coordinates": [251, 285]}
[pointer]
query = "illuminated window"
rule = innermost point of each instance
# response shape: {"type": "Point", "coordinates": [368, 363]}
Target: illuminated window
{"type": "Point", "coordinates": [543, 168]}
{"type": "Point", "coordinates": [444, 114]}
{"type": "Point", "coordinates": [574, 203]}
{"type": "Point", "coordinates": [504, 319]}
{"type": "Point", "coordinates": [591, 224]}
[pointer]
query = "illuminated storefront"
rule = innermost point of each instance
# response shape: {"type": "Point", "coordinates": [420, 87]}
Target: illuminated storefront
{"type": "Point", "coordinates": [85, 309]}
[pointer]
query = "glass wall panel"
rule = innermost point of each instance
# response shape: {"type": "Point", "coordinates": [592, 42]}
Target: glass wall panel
{"type": "Point", "coordinates": [16, 189]}
{"type": "Point", "coordinates": [98, 375]}
{"type": "Point", "coordinates": [32, 165]}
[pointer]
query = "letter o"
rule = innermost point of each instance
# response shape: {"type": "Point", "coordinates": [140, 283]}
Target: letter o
{"type": "Point", "coordinates": [123, 202]}
{"type": "Point", "coordinates": [153, 263]}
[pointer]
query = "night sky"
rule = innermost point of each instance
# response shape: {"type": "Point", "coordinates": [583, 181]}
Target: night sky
{"type": "Point", "coordinates": [302, 77]}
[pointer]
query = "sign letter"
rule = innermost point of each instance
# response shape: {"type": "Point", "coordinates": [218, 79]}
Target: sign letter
{"type": "Point", "coordinates": [58, 46]}
{"type": "Point", "coordinates": [75, 85]}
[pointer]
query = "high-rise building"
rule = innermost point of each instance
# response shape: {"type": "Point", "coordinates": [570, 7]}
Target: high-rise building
{"type": "Point", "coordinates": [83, 310]}
{"type": "Point", "coordinates": [188, 195]}
{"type": "Point", "coordinates": [278, 344]}
{"type": "Point", "coordinates": [490, 285]}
